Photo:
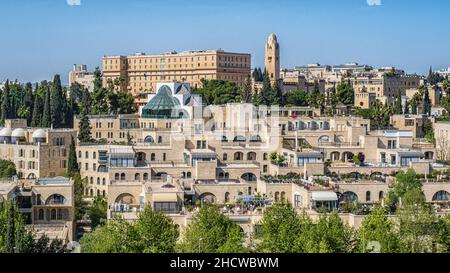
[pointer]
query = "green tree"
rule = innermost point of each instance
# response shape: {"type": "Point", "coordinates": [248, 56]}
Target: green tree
{"type": "Point", "coordinates": [5, 105]}
{"type": "Point", "coordinates": [426, 103]}
{"type": "Point", "coordinates": [72, 162]}
{"type": "Point", "coordinates": [14, 237]}
{"type": "Point", "coordinates": [38, 109]}
{"type": "Point", "coordinates": [218, 92]}
{"type": "Point", "coordinates": [378, 228]}
{"type": "Point", "coordinates": [7, 169]}
{"type": "Point", "coordinates": [156, 232]}
{"type": "Point", "coordinates": [97, 212]}
{"type": "Point", "coordinates": [46, 115]}
{"type": "Point", "coordinates": [297, 98]}
{"type": "Point", "coordinates": [404, 181]}
{"type": "Point", "coordinates": [280, 228]}
{"type": "Point", "coordinates": [56, 103]}
{"type": "Point", "coordinates": [118, 236]}
{"type": "Point", "coordinates": [208, 232]}
{"type": "Point", "coordinates": [84, 133]}
{"type": "Point", "coordinates": [398, 108]}
{"type": "Point", "coordinates": [418, 226]}
{"type": "Point", "coordinates": [345, 93]}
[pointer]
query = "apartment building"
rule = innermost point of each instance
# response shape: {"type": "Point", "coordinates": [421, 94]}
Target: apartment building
{"type": "Point", "coordinates": [47, 204]}
{"type": "Point", "coordinates": [382, 87]}
{"type": "Point", "coordinates": [210, 149]}
{"type": "Point", "coordinates": [140, 73]}
{"type": "Point", "coordinates": [82, 76]}
{"type": "Point", "coordinates": [36, 152]}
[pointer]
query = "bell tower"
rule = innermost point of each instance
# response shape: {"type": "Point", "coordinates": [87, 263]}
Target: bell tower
{"type": "Point", "coordinates": [272, 62]}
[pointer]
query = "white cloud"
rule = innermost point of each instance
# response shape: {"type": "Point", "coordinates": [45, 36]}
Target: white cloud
{"type": "Point", "coordinates": [374, 2]}
{"type": "Point", "coordinates": [73, 2]}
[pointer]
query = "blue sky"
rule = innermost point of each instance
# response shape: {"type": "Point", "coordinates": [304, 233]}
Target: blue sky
{"type": "Point", "coordinates": [44, 37]}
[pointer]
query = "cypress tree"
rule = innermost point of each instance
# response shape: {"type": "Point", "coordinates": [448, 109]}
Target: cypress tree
{"type": "Point", "coordinates": [47, 115]}
{"type": "Point", "coordinates": [72, 164]}
{"type": "Point", "coordinates": [426, 103]}
{"type": "Point", "coordinates": [56, 103]}
{"type": "Point", "coordinates": [398, 105]}
{"type": "Point", "coordinates": [28, 100]}
{"type": "Point", "coordinates": [6, 106]}
{"type": "Point", "coordinates": [84, 133]}
{"type": "Point", "coordinates": [414, 107]}
{"type": "Point", "coordinates": [37, 111]}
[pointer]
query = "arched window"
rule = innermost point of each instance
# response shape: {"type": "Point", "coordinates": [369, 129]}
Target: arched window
{"type": "Point", "coordinates": [104, 181]}
{"type": "Point", "coordinates": [283, 196]}
{"type": "Point", "coordinates": [265, 156]}
{"type": "Point", "coordinates": [227, 175]}
{"type": "Point", "coordinates": [152, 157]}
{"type": "Point", "coordinates": [91, 180]}
{"type": "Point", "coordinates": [239, 139]}
{"type": "Point", "coordinates": [137, 177]}
{"type": "Point", "coordinates": [116, 176]}
{"type": "Point", "coordinates": [122, 176]}
{"type": "Point", "coordinates": [348, 197]}
{"type": "Point", "coordinates": [367, 196]}
{"type": "Point", "coordinates": [224, 139]}
{"type": "Point", "coordinates": [102, 169]}
{"type": "Point", "coordinates": [189, 175]}
{"type": "Point", "coordinates": [160, 139]}
{"type": "Point", "coordinates": [145, 176]}
{"type": "Point", "coordinates": [255, 138]}
{"type": "Point", "coordinates": [225, 157]}
{"type": "Point", "coordinates": [98, 180]}
{"type": "Point", "coordinates": [183, 175]}
{"type": "Point", "coordinates": [104, 193]}
{"type": "Point", "coordinates": [381, 195]}
{"type": "Point", "coordinates": [238, 156]}
{"type": "Point", "coordinates": [441, 196]}
{"type": "Point", "coordinates": [91, 192]}
{"type": "Point", "coordinates": [55, 199]}
{"type": "Point", "coordinates": [149, 139]}
{"type": "Point", "coordinates": [251, 156]}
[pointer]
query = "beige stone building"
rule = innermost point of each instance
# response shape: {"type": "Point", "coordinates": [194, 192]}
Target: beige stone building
{"type": "Point", "coordinates": [82, 76]}
{"type": "Point", "coordinates": [47, 204]}
{"type": "Point", "coordinates": [382, 87]}
{"type": "Point", "coordinates": [140, 73]}
{"type": "Point", "coordinates": [272, 60]}
{"type": "Point", "coordinates": [36, 152]}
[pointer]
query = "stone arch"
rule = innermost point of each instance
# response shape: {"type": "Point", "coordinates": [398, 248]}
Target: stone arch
{"type": "Point", "coordinates": [125, 198]}
{"type": "Point", "coordinates": [239, 139]}
{"type": "Point", "coordinates": [207, 197]}
{"type": "Point", "coordinates": [335, 156]}
{"type": "Point", "coordinates": [441, 196]}
{"type": "Point", "coordinates": [149, 139]}
{"type": "Point", "coordinates": [238, 156]}
{"type": "Point", "coordinates": [249, 177]}
{"type": "Point", "coordinates": [348, 197]}
{"type": "Point", "coordinates": [324, 139]}
{"type": "Point", "coordinates": [55, 199]}
{"type": "Point", "coordinates": [251, 156]}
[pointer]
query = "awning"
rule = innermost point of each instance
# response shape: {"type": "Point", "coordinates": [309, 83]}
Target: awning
{"type": "Point", "coordinates": [411, 153]}
{"type": "Point", "coordinates": [324, 196]}
{"type": "Point", "coordinates": [165, 197]}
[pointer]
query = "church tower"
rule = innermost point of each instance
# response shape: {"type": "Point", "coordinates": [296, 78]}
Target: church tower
{"type": "Point", "coordinates": [273, 58]}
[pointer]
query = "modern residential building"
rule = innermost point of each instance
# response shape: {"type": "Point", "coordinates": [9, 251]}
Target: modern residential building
{"type": "Point", "coordinates": [36, 152]}
{"type": "Point", "coordinates": [47, 204]}
{"type": "Point", "coordinates": [82, 76]}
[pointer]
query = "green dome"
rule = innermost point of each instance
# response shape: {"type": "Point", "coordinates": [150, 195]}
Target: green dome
{"type": "Point", "coordinates": [163, 106]}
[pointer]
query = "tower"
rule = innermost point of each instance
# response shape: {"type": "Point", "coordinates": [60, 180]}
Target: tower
{"type": "Point", "coordinates": [272, 62]}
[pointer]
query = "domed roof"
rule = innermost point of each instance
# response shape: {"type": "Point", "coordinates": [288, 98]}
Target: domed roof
{"type": "Point", "coordinates": [39, 133]}
{"type": "Point", "coordinates": [163, 105]}
{"type": "Point", "coordinates": [5, 132]}
{"type": "Point", "coordinates": [19, 132]}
